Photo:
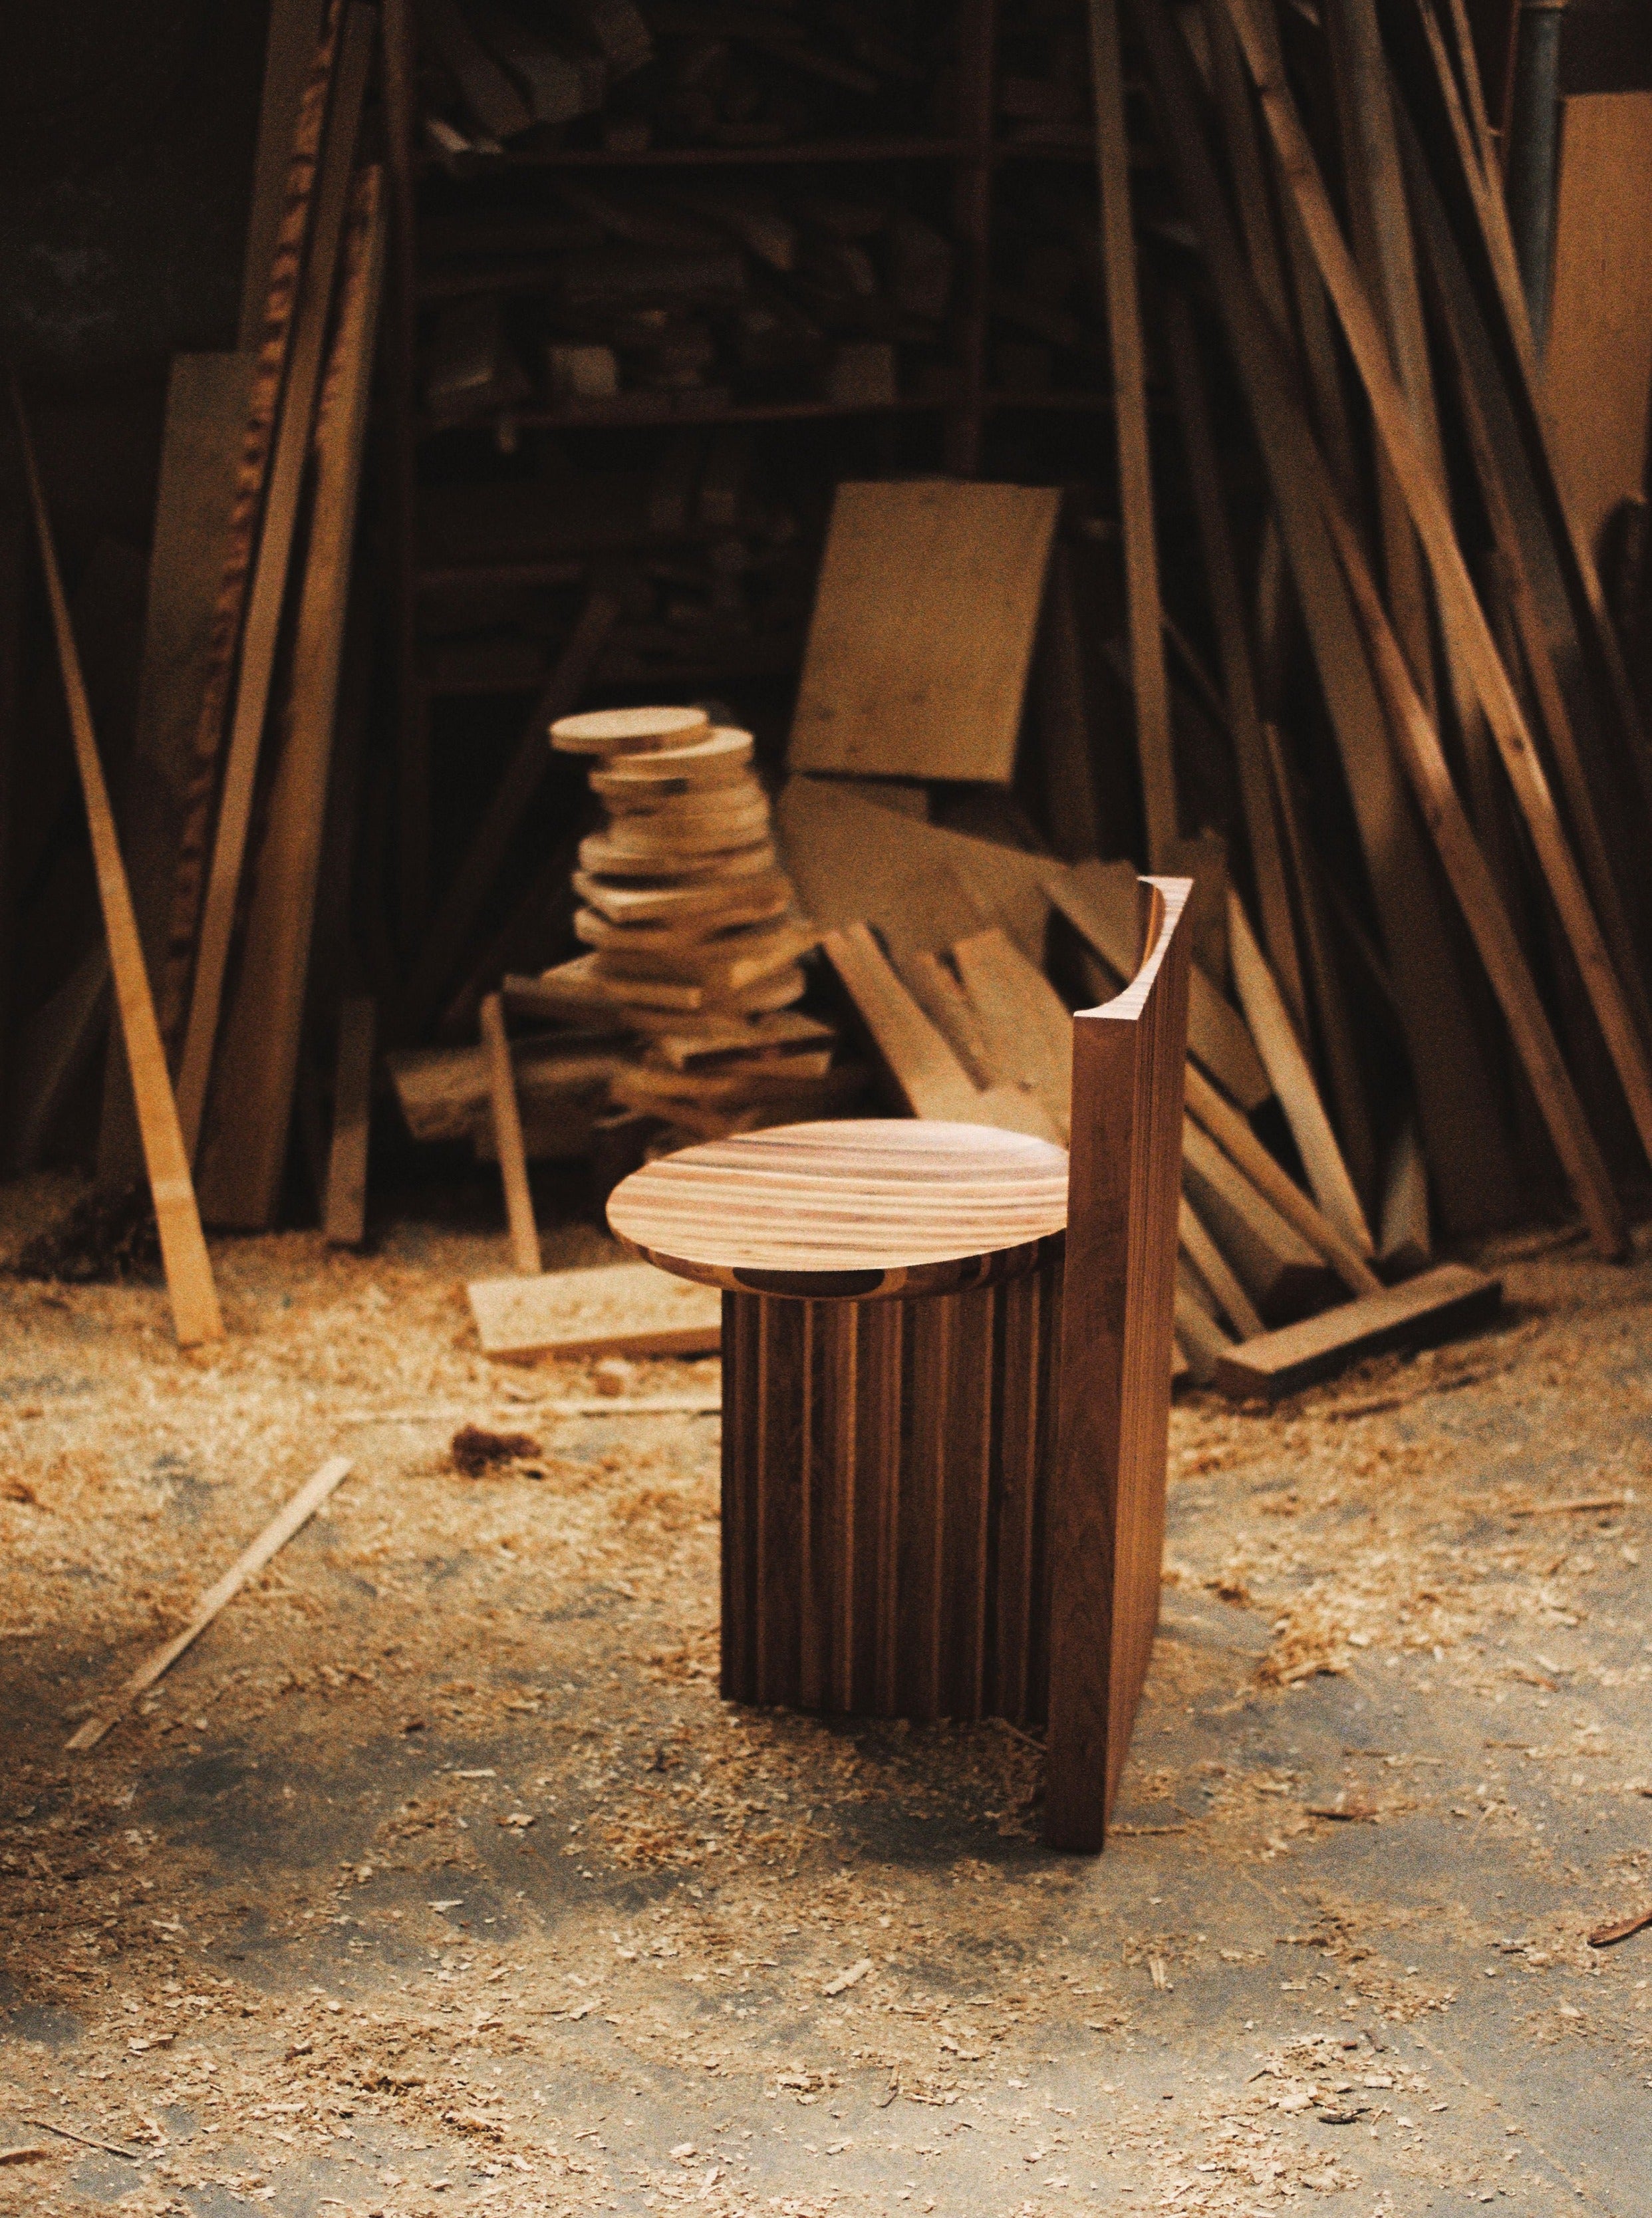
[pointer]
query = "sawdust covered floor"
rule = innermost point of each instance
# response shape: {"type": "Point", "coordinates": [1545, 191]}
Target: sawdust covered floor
{"type": "Point", "coordinates": [437, 1878]}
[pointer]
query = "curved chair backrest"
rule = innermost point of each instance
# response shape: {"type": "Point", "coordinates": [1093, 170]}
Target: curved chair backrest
{"type": "Point", "coordinates": [1107, 1496]}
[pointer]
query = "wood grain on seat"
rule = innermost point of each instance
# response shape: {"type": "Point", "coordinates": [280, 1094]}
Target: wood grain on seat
{"type": "Point", "coordinates": [852, 1211]}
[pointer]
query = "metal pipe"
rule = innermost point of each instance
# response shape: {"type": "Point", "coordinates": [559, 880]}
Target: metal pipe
{"type": "Point", "coordinates": [1533, 148]}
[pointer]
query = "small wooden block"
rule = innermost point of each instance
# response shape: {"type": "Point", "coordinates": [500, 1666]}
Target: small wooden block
{"type": "Point", "coordinates": [613, 731]}
{"type": "Point", "coordinates": [1449, 1300]}
{"type": "Point", "coordinates": [717, 759]}
{"type": "Point", "coordinates": [608, 858]}
{"type": "Point", "coordinates": [621, 1308]}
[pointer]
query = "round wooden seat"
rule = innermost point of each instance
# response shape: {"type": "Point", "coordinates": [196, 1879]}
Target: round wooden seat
{"type": "Point", "coordinates": [850, 1211]}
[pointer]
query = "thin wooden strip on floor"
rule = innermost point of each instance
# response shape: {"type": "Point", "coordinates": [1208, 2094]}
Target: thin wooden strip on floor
{"type": "Point", "coordinates": [1449, 1300]}
{"type": "Point", "coordinates": [1287, 1066]}
{"type": "Point", "coordinates": [275, 1536]}
{"type": "Point", "coordinates": [190, 1287]}
{"type": "Point", "coordinates": [620, 1309]}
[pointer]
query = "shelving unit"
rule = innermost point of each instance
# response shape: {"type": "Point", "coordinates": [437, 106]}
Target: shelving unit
{"type": "Point", "coordinates": [955, 409]}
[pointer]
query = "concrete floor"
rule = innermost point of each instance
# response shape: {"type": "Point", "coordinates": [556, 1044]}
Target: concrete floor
{"type": "Point", "coordinates": [437, 1879]}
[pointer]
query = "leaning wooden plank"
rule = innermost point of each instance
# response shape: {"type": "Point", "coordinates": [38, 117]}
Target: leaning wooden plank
{"type": "Point", "coordinates": [1098, 899]}
{"type": "Point", "coordinates": [932, 1080]}
{"type": "Point", "coordinates": [478, 872]}
{"type": "Point", "coordinates": [1148, 685]}
{"type": "Point", "coordinates": [1213, 1267]}
{"type": "Point", "coordinates": [245, 1148]}
{"type": "Point", "coordinates": [1449, 1300]}
{"type": "Point", "coordinates": [1468, 633]}
{"type": "Point", "coordinates": [923, 630]}
{"type": "Point", "coordinates": [344, 1215]}
{"type": "Point", "coordinates": [1284, 1274]}
{"type": "Point", "coordinates": [1225, 1125]}
{"type": "Point", "coordinates": [1027, 1029]}
{"type": "Point", "coordinates": [247, 1565]}
{"type": "Point", "coordinates": [1459, 1103]}
{"type": "Point", "coordinates": [507, 1138]}
{"type": "Point", "coordinates": [207, 401]}
{"type": "Point", "coordinates": [1405, 1246]}
{"type": "Point", "coordinates": [935, 988]}
{"type": "Point", "coordinates": [221, 899]}
{"type": "Point", "coordinates": [1483, 910]}
{"type": "Point", "coordinates": [1293, 1080]}
{"type": "Point", "coordinates": [1203, 1340]}
{"type": "Point", "coordinates": [295, 27]}
{"type": "Point", "coordinates": [620, 1309]}
{"type": "Point", "coordinates": [183, 1251]}
{"type": "Point", "coordinates": [1243, 710]}
{"type": "Point", "coordinates": [240, 538]}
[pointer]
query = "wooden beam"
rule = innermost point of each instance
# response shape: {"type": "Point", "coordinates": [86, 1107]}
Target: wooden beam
{"type": "Point", "coordinates": [507, 1139]}
{"type": "Point", "coordinates": [1293, 1082]}
{"type": "Point", "coordinates": [183, 1250]}
{"type": "Point", "coordinates": [258, 645]}
{"type": "Point", "coordinates": [1447, 1300]}
{"type": "Point", "coordinates": [1464, 620]}
{"type": "Point", "coordinates": [1459, 1105]}
{"type": "Point", "coordinates": [1148, 684]}
{"type": "Point", "coordinates": [343, 1214]}
{"type": "Point", "coordinates": [245, 1148]}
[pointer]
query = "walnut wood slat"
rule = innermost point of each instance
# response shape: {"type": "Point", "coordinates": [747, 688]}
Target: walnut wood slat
{"type": "Point", "coordinates": [942, 1490]}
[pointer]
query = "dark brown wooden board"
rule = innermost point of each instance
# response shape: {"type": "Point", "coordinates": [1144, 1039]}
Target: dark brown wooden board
{"type": "Point", "coordinates": [1441, 1302]}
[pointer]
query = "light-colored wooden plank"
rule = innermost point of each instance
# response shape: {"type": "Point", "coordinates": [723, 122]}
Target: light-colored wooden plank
{"type": "Point", "coordinates": [923, 630]}
{"type": "Point", "coordinates": [1284, 1274]}
{"type": "Point", "coordinates": [931, 1082]}
{"type": "Point", "coordinates": [1292, 1078]}
{"type": "Point", "coordinates": [296, 25]}
{"type": "Point", "coordinates": [247, 1565]}
{"type": "Point", "coordinates": [1213, 1267]}
{"type": "Point", "coordinates": [221, 899]}
{"type": "Point", "coordinates": [507, 1139]}
{"type": "Point", "coordinates": [194, 1297]}
{"type": "Point", "coordinates": [1204, 1338]}
{"type": "Point", "coordinates": [1464, 620]}
{"type": "Point", "coordinates": [344, 1216]}
{"type": "Point", "coordinates": [1149, 688]}
{"type": "Point", "coordinates": [1027, 1029]}
{"type": "Point", "coordinates": [1098, 899]}
{"type": "Point", "coordinates": [934, 986]}
{"type": "Point", "coordinates": [618, 1309]}
{"type": "Point", "coordinates": [244, 1151]}
{"type": "Point", "coordinates": [1447, 1300]}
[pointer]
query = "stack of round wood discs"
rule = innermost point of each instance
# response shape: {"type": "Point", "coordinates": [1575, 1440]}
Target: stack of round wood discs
{"type": "Point", "coordinates": [693, 926]}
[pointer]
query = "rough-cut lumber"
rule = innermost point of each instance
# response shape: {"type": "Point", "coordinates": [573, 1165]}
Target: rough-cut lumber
{"type": "Point", "coordinates": [221, 897]}
{"type": "Point", "coordinates": [1098, 899]}
{"type": "Point", "coordinates": [245, 1147]}
{"type": "Point", "coordinates": [1288, 1068]}
{"type": "Point", "coordinates": [619, 1309]}
{"type": "Point", "coordinates": [1232, 1131]}
{"type": "Point", "coordinates": [1284, 1274]}
{"type": "Point", "coordinates": [1467, 629]}
{"type": "Point", "coordinates": [1449, 1300]}
{"type": "Point", "coordinates": [507, 1139]}
{"type": "Point", "coordinates": [183, 1250]}
{"type": "Point", "coordinates": [207, 402]}
{"type": "Point", "coordinates": [239, 543]}
{"type": "Point", "coordinates": [1405, 1246]}
{"type": "Point", "coordinates": [923, 630]}
{"type": "Point", "coordinates": [1027, 1029]}
{"type": "Point", "coordinates": [935, 987]}
{"type": "Point", "coordinates": [1148, 687]}
{"type": "Point", "coordinates": [478, 873]}
{"type": "Point", "coordinates": [275, 1536]}
{"type": "Point", "coordinates": [1458, 1102]}
{"type": "Point", "coordinates": [343, 1214]}
{"type": "Point", "coordinates": [1213, 1267]}
{"type": "Point", "coordinates": [1203, 1338]}
{"type": "Point", "coordinates": [931, 1082]}
{"type": "Point", "coordinates": [1070, 770]}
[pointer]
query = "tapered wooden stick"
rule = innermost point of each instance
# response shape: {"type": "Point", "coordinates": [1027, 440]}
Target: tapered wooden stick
{"type": "Point", "coordinates": [183, 1251]}
{"type": "Point", "coordinates": [275, 1536]}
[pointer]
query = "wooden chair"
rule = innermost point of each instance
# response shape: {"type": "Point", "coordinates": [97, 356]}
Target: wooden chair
{"type": "Point", "coordinates": [946, 1392]}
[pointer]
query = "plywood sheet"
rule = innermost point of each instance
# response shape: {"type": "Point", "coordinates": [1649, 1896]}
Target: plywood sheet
{"type": "Point", "coordinates": [923, 630]}
{"type": "Point", "coordinates": [1597, 369]}
{"type": "Point", "coordinates": [621, 1309]}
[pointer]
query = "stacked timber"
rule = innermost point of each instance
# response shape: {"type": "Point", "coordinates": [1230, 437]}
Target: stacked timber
{"type": "Point", "coordinates": [693, 930]}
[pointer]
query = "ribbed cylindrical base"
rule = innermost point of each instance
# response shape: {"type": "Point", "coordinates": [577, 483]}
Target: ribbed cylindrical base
{"type": "Point", "coordinates": [884, 1463]}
